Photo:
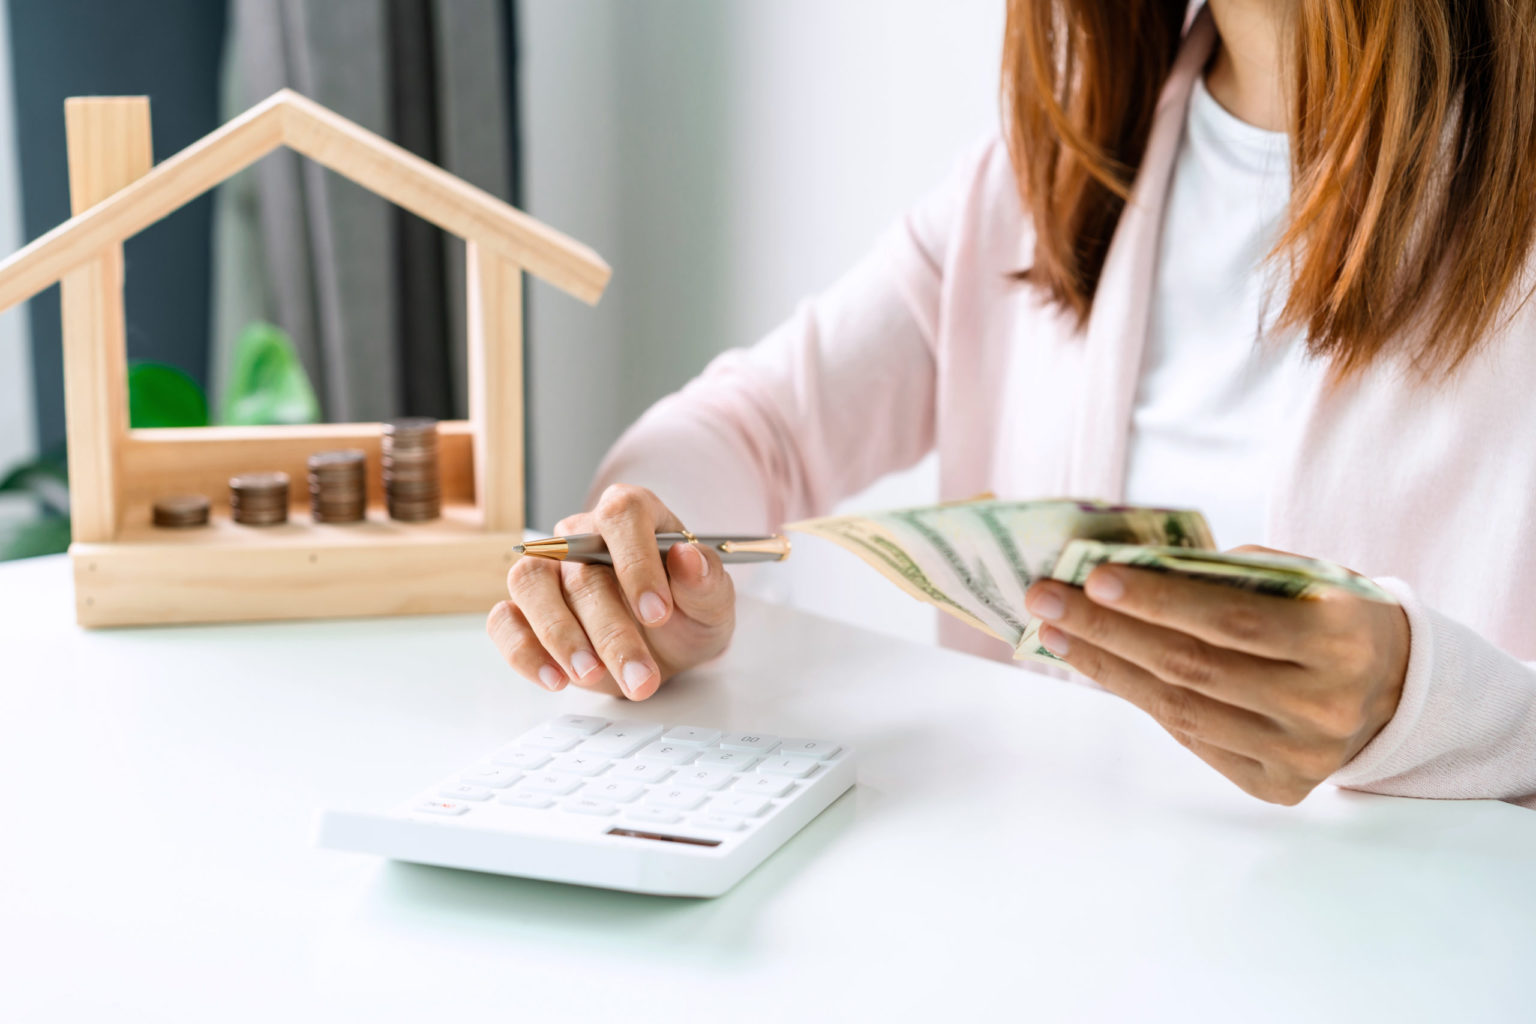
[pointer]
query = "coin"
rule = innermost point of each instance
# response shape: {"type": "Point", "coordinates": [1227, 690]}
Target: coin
{"type": "Point", "coordinates": [412, 485]}
{"type": "Point", "coordinates": [338, 487]}
{"type": "Point", "coordinates": [182, 510]}
{"type": "Point", "coordinates": [259, 499]}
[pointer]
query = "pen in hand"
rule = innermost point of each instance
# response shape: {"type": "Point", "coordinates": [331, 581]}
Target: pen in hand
{"type": "Point", "coordinates": [590, 548]}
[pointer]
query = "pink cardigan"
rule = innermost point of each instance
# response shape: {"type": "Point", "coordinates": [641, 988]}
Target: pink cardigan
{"type": "Point", "coordinates": [928, 343]}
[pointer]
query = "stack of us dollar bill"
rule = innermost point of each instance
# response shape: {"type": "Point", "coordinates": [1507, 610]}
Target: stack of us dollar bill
{"type": "Point", "coordinates": [975, 559]}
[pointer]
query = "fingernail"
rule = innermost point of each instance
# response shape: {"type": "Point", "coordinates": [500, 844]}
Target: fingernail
{"type": "Point", "coordinates": [1105, 587]}
{"type": "Point", "coordinates": [1055, 641]}
{"type": "Point", "coordinates": [1046, 605]}
{"type": "Point", "coordinates": [583, 664]}
{"type": "Point", "coordinates": [551, 678]}
{"type": "Point", "coordinates": [635, 675]}
{"type": "Point", "coordinates": [652, 608]}
{"type": "Point", "coordinates": [698, 553]}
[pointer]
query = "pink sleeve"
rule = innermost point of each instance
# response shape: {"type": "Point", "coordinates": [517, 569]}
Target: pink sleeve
{"type": "Point", "coordinates": [838, 396]}
{"type": "Point", "coordinates": [1465, 727]}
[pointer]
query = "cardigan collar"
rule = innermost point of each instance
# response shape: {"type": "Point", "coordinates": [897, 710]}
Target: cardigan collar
{"type": "Point", "coordinates": [1117, 327]}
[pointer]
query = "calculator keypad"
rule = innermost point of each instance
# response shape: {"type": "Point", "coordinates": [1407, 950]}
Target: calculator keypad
{"type": "Point", "coordinates": [696, 780]}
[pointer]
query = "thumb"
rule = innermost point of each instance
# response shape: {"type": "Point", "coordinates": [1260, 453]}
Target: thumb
{"type": "Point", "coordinates": [701, 587]}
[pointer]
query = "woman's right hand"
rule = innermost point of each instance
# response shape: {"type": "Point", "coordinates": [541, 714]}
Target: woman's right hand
{"type": "Point", "coordinates": [624, 629]}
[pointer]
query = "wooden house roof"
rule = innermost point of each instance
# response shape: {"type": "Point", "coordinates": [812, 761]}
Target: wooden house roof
{"type": "Point", "coordinates": [289, 119]}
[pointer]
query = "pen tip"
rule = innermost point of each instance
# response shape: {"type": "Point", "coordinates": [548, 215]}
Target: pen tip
{"type": "Point", "coordinates": [518, 549]}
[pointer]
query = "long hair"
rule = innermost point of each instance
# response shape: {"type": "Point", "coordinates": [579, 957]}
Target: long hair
{"type": "Point", "coordinates": [1413, 159]}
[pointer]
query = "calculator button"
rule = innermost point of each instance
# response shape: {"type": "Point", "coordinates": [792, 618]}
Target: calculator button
{"type": "Point", "coordinates": [617, 790]}
{"type": "Point", "coordinates": [794, 767]}
{"type": "Point", "coordinates": [548, 739]}
{"type": "Point", "coordinates": [496, 778]}
{"type": "Point", "coordinates": [736, 760]}
{"type": "Point", "coordinates": [714, 822]}
{"type": "Point", "coordinates": [582, 725]}
{"type": "Point", "coordinates": [652, 815]}
{"type": "Point", "coordinates": [465, 791]}
{"type": "Point", "coordinates": [703, 778]}
{"type": "Point", "coordinates": [579, 763]}
{"type": "Point", "coordinates": [749, 741]}
{"type": "Point", "coordinates": [548, 782]}
{"type": "Point", "coordinates": [672, 753]}
{"type": "Point", "coordinates": [739, 803]}
{"type": "Point", "coordinates": [445, 807]}
{"type": "Point", "coordinates": [620, 739]}
{"type": "Point", "coordinates": [522, 757]}
{"type": "Point", "coordinates": [764, 785]}
{"type": "Point", "coordinates": [675, 799]}
{"type": "Point", "coordinates": [523, 798]}
{"type": "Point", "coordinates": [821, 750]}
{"type": "Point", "coordinates": [641, 770]}
{"type": "Point", "coordinates": [691, 735]}
{"type": "Point", "coordinates": [587, 805]}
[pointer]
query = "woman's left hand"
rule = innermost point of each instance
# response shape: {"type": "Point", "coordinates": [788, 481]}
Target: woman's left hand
{"type": "Point", "coordinates": [1276, 694]}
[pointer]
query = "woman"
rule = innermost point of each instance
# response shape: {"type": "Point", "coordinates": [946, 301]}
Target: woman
{"type": "Point", "coordinates": [1270, 261]}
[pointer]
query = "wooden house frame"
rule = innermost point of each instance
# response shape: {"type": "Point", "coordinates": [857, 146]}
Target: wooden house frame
{"type": "Point", "coordinates": [128, 571]}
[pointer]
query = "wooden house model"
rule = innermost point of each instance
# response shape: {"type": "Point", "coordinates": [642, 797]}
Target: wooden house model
{"type": "Point", "coordinates": [128, 571]}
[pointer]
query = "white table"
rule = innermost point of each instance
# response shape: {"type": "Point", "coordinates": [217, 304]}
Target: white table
{"type": "Point", "coordinates": [1017, 848]}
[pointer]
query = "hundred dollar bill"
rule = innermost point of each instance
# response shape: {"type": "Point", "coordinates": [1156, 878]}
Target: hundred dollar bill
{"type": "Point", "coordinates": [871, 542]}
{"type": "Point", "coordinates": [976, 558]}
{"type": "Point", "coordinates": [1273, 575]}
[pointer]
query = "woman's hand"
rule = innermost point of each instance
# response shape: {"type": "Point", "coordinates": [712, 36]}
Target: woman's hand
{"type": "Point", "coordinates": [1276, 694]}
{"type": "Point", "coordinates": [625, 629]}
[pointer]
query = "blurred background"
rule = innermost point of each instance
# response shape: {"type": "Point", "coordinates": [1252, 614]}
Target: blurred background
{"type": "Point", "coordinates": [727, 159]}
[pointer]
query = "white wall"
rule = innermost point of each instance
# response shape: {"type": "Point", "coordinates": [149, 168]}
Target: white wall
{"type": "Point", "coordinates": [728, 159]}
{"type": "Point", "coordinates": [17, 430]}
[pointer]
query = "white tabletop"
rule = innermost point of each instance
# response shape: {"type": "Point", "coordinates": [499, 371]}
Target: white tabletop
{"type": "Point", "coordinates": [1016, 848]}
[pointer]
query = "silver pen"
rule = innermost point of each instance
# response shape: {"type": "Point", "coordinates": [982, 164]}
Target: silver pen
{"type": "Point", "coordinates": [590, 547]}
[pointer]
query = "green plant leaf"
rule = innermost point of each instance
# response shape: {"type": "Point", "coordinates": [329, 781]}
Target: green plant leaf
{"type": "Point", "coordinates": [267, 383]}
{"type": "Point", "coordinates": [45, 479]}
{"type": "Point", "coordinates": [163, 396]}
{"type": "Point", "coordinates": [27, 538]}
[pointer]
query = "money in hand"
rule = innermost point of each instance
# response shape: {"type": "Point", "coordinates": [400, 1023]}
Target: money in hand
{"type": "Point", "coordinates": [975, 559]}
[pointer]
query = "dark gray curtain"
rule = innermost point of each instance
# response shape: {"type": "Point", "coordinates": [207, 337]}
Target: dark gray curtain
{"type": "Point", "coordinates": [170, 53]}
{"type": "Point", "coordinates": [372, 296]}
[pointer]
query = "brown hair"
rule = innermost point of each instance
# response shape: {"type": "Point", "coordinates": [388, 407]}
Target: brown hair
{"type": "Point", "coordinates": [1413, 153]}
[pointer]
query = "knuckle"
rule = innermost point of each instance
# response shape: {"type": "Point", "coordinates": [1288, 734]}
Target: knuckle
{"type": "Point", "coordinates": [587, 584]}
{"type": "Point", "coordinates": [1242, 622]}
{"type": "Point", "coordinates": [619, 501]}
{"type": "Point", "coordinates": [499, 620]}
{"type": "Point", "coordinates": [525, 573]}
{"type": "Point", "coordinates": [615, 636]}
{"type": "Point", "coordinates": [1188, 662]}
{"type": "Point", "coordinates": [565, 639]}
{"type": "Point", "coordinates": [1089, 662]}
{"type": "Point", "coordinates": [571, 524]}
{"type": "Point", "coordinates": [1356, 660]}
{"type": "Point", "coordinates": [1335, 718]}
{"type": "Point", "coordinates": [1093, 622]}
{"type": "Point", "coordinates": [1177, 711]}
{"type": "Point", "coordinates": [522, 650]}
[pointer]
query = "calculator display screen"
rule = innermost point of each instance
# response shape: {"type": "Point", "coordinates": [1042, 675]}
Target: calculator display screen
{"type": "Point", "coordinates": [633, 834]}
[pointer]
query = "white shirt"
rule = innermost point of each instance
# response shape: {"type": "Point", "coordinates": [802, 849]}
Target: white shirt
{"type": "Point", "coordinates": [1215, 409]}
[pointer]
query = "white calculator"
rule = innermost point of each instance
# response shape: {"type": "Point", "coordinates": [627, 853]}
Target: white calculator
{"type": "Point", "coordinates": [634, 805]}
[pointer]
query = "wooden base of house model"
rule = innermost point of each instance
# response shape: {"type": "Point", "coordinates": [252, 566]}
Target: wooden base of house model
{"type": "Point", "coordinates": [128, 572]}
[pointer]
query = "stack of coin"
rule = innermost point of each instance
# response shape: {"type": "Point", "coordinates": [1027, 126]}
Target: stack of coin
{"type": "Point", "coordinates": [338, 487]}
{"type": "Point", "coordinates": [181, 511]}
{"type": "Point", "coordinates": [411, 487]}
{"type": "Point", "coordinates": [259, 499]}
